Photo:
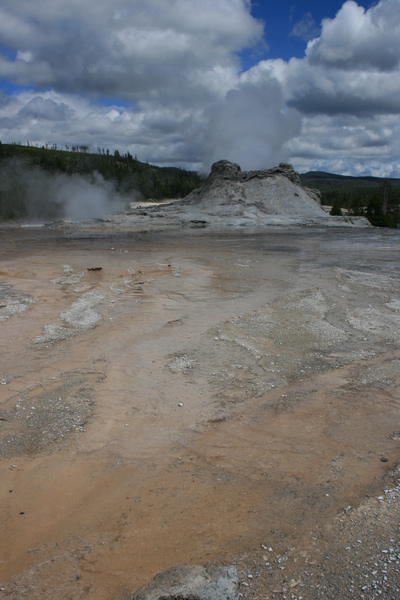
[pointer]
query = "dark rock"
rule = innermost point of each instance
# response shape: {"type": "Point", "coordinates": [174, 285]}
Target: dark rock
{"type": "Point", "coordinates": [191, 583]}
{"type": "Point", "coordinates": [225, 169]}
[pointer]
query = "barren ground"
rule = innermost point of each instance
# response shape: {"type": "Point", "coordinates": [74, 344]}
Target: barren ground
{"type": "Point", "coordinates": [200, 399]}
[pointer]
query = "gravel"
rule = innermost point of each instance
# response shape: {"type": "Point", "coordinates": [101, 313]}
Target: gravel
{"type": "Point", "coordinates": [45, 415]}
{"type": "Point", "coordinates": [358, 557]}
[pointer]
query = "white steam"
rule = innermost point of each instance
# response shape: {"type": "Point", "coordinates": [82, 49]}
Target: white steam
{"type": "Point", "coordinates": [250, 127]}
{"type": "Point", "coordinates": [85, 197]}
{"type": "Point", "coordinates": [34, 194]}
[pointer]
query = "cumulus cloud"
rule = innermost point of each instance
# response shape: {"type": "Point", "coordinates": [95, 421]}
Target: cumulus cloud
{"type": "Point", "coordinates": [353, 67]}
{"type": "Point", "coordinates": [162, 79]}
{"type": "Point", "coordinates": [163, 62]}
{"type": "Point", "coordinates": [347, 87]}
{"type": "Point", "coordinates": [345, 144]}
{"type": "Point", "coordinates": [366, 40]}
{"type": "Point", "coordinates": [156, 47]}
{"type": "Point", "coordinates": [40, 108]}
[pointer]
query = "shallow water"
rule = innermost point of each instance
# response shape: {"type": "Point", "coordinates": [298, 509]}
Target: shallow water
{"type": "Point", "coordinates": [230, 390]}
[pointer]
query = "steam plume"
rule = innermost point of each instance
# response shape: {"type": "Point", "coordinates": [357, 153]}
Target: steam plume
{"type": "Point", "coordinates": [32, 193]}
{"type": "Point", "coordinates": [250, 127]}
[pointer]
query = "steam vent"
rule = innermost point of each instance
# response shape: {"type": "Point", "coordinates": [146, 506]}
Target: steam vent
{"type": "Point", "coordinates": [275, 191]}
{"type": "Point", "coordinates": [236, 198]}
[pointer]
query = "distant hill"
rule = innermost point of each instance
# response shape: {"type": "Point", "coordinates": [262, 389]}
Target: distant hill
{"type": "Point", "coordinates": [49, 183]}
{"type": "Point", "coordinates": [328, 181]}
{"type": "Point", "coordinates": [31, 178]}
{"type": "Point", "coordinates": [376, 198]}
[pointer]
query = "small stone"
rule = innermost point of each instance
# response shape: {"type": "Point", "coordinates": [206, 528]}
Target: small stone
{"type": "Point", "coordinates": [218, 583]}
{"type": "Point", "coordinates": [180, 404]}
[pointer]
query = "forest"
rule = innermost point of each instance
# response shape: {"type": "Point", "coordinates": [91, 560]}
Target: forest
{"type": "Point", "coordinates": [31, 179]}
{"type": "Point", "coordinates": [39, 183]}
{"type": "Point", "coordinates": [373, 197]}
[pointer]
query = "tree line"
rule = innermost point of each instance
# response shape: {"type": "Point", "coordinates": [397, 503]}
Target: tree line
{"type": "Point", "coordinates": [375, 198]}
{"type": "Point", "coordinates": [22, 168]}
{"type": "Point", "coordinates": [132, 179]}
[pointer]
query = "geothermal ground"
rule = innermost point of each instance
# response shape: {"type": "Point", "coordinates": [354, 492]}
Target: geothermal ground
{"type": "Point", "coordinates": [200, 398]}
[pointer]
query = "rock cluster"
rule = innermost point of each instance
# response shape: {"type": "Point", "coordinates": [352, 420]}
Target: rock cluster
{"type": "Point", "coordinates": [275, 191]}
{"type": "Point", "coordinates": [191, 583]}
{"type": "Point", "coordinates": [231, 197]}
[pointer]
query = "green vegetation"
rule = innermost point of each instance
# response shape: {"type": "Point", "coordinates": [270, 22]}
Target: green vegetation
{"type": "Point", "coordinates": [336, 211]}
{"type": "Point", "coordinates": [377, 199]}
{"type": "Point", "coordinates": [31, 179]}
{"type": "Point", "coordinates": [28, 175]}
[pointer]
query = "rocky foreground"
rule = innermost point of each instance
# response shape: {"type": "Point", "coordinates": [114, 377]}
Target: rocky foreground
{"type": "Point", "coordinates": [223, 401]}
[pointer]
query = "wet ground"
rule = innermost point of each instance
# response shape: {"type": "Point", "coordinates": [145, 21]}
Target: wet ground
{"type": "Point", "coordinates": [199, 398]}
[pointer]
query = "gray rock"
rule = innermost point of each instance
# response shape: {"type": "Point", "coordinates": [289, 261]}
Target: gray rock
{"type": "Point", "coordinates": [191, 583]}
{"type": "Point", "coordinates": [275, 191]}
{"type": "Point", "coordinates": [231, 197]}
{"type": "Point", "coordinates": [236, 199]}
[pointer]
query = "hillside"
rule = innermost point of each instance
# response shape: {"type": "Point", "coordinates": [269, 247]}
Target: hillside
{"type": "Point", "coordinates": [329, 181]}
{"type": "Point", "coordinates": [374, 197]}
{"type": "Point", "coordinates": [41, 182]}
{"type": "Point", "coordinates": [50, 183]}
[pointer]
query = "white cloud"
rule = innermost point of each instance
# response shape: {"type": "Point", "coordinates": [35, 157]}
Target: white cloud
{"type": "Point", "coordinates": [161, 79]}
{"type": "Point", "coordinates": [360, 39]}
{"type": "Point", "coordinates": [127, 50]}
{"type": "Point", "coordinates": [167, 61]}
{"type": "Point", "coordinates": [305, 29]}
{"type": "Point", "coordinates": [45, 109]}
{"type": "Point", "coordinates": [348, 145]}
{"type": "Point", "coordinates": [347, 87]}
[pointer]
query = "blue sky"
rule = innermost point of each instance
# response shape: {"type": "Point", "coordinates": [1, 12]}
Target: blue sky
{"type": "Point", "coordinates": [282, 20]}
{"type": "Point", "coordinates": [188, 82]}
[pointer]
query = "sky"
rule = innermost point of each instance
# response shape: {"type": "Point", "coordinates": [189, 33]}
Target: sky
{"type": "Point", "coordinates": [188, 82]}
